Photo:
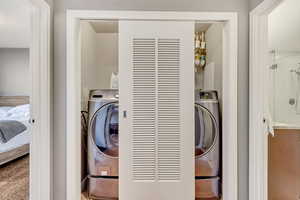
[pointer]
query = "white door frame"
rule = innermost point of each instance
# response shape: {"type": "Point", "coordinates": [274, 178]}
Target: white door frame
{"type": "Point", "coordinates": [258, 138]}
{"type": "Point", "coordinates": [230, 55]}
{"type": "Point", "coordinates": [40, 100]}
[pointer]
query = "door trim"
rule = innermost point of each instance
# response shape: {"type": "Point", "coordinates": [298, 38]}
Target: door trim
{"type": "Point", "coordinates": [258, 140]}
{"type": "Point", "coordinates": [41, 102]}
{"type": "Point", "coordinates": [230, 57]}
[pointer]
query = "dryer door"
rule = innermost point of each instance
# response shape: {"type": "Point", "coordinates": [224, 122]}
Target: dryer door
{"type": "Point", "coordinates": [105, 129]}
{"type": "Point", "coordinates": [206, 131]}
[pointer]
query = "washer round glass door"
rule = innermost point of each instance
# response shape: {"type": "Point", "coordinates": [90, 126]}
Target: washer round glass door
{"type": "Point", "coordinates": [105, 129]}
{"type": "Point", "coordinates": [205, 130]}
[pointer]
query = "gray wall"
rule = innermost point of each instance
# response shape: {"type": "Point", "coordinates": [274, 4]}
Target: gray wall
{"type": "Point", "coordinates": [14, 72]}
{"type": "Point", "coordinates": [254, 3]}
{"type": "Point", "coordinates": [60, 6]}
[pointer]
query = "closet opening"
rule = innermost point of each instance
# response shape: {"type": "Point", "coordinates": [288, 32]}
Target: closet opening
{"type": "Point", "coordinates": [274, 101]}
{"type": "Point", "coordinates": [208, 109]}
{"type": "Point", "coordinates": [148, 118]}
{"type": "Point", "coordinates": [100, 108]}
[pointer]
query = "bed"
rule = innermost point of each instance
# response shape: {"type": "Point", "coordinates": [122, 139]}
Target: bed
{"type": "Point", "coordinates": [15, 108]}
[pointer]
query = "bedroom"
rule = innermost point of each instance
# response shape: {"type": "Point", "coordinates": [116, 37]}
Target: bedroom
{"type": "Point", "coordinates": [15, 92]}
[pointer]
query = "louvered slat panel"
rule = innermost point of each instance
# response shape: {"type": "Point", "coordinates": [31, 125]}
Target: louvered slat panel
{"type": "Point", "coordinates": [144, 106]}
{"type": "Point", "coordinates": [168, 91]}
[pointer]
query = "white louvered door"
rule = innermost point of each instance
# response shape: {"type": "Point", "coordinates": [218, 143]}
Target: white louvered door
{"type": "Point", "coordinates": [156, 110]}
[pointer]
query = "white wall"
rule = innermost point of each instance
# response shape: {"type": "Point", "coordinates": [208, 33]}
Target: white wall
{"type": "Point", "coordinates": [15, 78]}
{"type": "Point", "coordinates": [107, 54]}
{"type": "Point", "coordinates": [211, 77]}
{"type": "Point", "coordinates": [15, 23]}
{"type": "Point", "coordinates": [88, 60]}
{"type": "Point", "coordinates": [99, 59]}
{"type": "Point", "coordinates": [214, 39]}
{"type": "Point", "coordinates": [284, 26]}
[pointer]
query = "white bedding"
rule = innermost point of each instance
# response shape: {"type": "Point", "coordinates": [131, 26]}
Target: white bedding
{"type": "Point", "coordinates": [21, 114]}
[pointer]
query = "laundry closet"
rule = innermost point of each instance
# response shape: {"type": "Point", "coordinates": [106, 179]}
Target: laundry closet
{"type": "Point", "coordinates": [151, 101]}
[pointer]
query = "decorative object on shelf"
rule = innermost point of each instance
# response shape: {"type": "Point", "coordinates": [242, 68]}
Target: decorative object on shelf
{"type": "Point", "coordinates": [200, 51]}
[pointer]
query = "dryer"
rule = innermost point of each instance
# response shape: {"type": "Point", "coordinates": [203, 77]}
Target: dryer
{"type": "Point", "coordinates": [207, 144]}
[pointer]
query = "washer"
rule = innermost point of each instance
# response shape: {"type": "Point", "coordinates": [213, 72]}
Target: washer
{"type": "Point", "coordinates": [103, 144]}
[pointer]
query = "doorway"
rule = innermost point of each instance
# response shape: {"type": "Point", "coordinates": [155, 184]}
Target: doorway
{"type": "Point", "coordinates": [26, 98]}
{"type": "Point", "coordinates": [274, 101]}
{"type": "Point", "coordinates": [74, 82]}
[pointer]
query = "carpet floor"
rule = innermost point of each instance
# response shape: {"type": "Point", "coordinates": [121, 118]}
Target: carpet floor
{"type": "Point", "coordinates": [14, 180]}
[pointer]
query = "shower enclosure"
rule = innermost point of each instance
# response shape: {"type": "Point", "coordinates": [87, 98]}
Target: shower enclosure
{"type": "Point", "coordinates": [284, 88]}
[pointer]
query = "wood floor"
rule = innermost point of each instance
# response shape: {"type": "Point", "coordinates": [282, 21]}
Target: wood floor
{"type": "Point", "coordinates": [284, 165]}
{"type": "Point", "coordinates": [14, 180]}
{"type": "Point", "coordinates": [84, 196]}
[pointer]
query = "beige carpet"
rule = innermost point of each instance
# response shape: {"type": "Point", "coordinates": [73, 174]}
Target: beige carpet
{"type": "Point", "coordinates": [14, 180]}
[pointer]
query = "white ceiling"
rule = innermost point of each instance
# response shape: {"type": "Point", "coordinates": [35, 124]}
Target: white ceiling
{"type": "Point", "coordinates": [105, 26]}
{"type": "Point", "coordinates": [14, 24]}
{"type": "Point", "coordinates": [284, 26]}
{"type": "Point", "coordinates": [200, 27]}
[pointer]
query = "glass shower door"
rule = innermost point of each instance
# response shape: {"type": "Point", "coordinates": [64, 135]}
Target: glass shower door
{"type": "Point", "coordinates": [296, 78]}
{"type": "Point", "coordinates": [284, 88]}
